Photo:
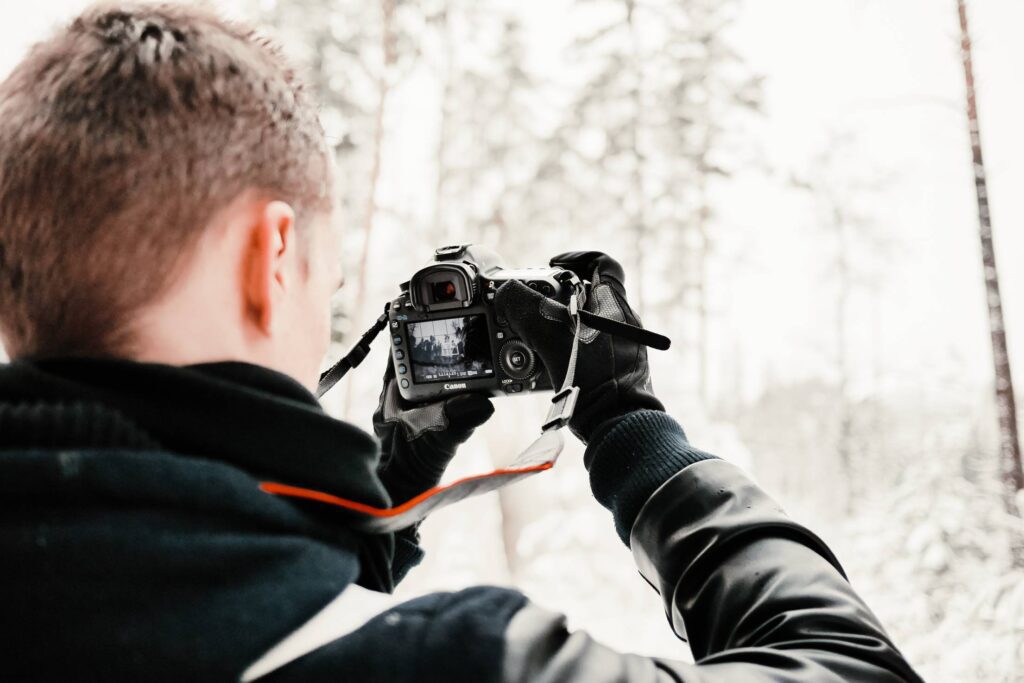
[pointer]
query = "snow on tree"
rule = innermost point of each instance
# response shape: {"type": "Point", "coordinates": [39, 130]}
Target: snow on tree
{"type": "Point", "coordinates": [843, 195]}
{"type": "Point", "coordinates": [489, 136]}
{"type": "Point", "coordinates": [641, 145]}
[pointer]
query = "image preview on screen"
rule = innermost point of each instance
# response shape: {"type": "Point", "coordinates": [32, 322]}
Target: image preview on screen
{"type": "Point", "coordinates": [450, 348]}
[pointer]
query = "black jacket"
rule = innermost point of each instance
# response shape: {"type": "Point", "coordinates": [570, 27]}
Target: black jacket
{"type": "Point", "coordinates": [136, 545]}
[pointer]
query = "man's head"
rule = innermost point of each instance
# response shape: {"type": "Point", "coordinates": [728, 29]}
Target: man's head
{"type": "Point", "coordinates": [165, 195]}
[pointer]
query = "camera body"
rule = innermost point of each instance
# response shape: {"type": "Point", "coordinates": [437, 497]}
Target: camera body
{"type": "Point", "coordinates": [446, 337]}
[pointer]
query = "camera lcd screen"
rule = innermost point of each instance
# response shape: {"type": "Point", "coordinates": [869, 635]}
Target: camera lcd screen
{"type": "Point", "coordinates": [450, 348]}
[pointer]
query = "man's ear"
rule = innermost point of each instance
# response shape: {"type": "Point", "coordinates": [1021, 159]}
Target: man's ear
{"type": "Point", "coordinates": [271, 242]}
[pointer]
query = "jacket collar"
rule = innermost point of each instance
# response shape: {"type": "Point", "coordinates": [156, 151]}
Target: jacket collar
{"type": "Point", "coordinates": [259, 420]}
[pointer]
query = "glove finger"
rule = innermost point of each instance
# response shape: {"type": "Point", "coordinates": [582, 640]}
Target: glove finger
{"type": "Point", "coordinates": [391, 405]}
{"type": "Point", "coordinates": [595, 266]}
{"type": "Point", "coordinates": [606, 276]}
{"type": "Point", "coordinates": [389, 401]}
{"type": "Point", "coordinates": [529, 313]}
{"type": "Point", "coordinates": [389, 369]}
{"type": "Point", "coordinates": [389, 376]}
{"type": "Point", "coordinates": [542, 323]}
{"type": "Point", "coordinates": [422, 419]}
{"type": "Point", "coordinates": [465, 413]}
{"type": "Point", "coordinates": [433, 432]}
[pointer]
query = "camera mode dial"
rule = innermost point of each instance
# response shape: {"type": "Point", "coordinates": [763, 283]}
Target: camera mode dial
{"type": "Point", "coordinates": [517, 359]}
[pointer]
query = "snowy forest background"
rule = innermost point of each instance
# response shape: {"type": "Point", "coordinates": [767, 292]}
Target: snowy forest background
{"type": "Point", "coordinates": [790, 188]}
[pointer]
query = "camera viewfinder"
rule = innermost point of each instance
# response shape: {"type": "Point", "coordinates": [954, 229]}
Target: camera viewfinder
{"type": "Point", "coordinates": [444, 291]}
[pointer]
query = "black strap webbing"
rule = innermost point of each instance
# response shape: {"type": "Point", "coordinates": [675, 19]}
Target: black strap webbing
{"type": "Point", "coordinates": [353, 358]}
{"type": "Point", "coordinates": [639, 335]}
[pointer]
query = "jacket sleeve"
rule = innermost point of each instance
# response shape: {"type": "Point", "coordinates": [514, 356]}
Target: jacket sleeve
{"type": "Point", "coordinates": [759, 597]}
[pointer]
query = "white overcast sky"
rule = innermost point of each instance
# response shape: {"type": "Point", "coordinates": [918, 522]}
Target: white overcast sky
{"type": "Point", "coordinates": [887, 69]}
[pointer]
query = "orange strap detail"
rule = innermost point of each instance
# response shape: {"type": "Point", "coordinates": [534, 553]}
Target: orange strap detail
{"type": "Point", "coordinates": [540, 456]}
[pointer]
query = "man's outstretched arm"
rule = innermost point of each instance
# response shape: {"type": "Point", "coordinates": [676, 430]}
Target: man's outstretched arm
{"type": "Point", "coordinates": [759, 597]}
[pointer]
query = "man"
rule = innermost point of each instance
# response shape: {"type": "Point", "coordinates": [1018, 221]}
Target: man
{"type": "Point", "coordinates": [167, 252]}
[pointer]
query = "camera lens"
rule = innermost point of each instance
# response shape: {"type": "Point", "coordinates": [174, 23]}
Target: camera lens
{"type": "Point", "coordinates": [444, 291]}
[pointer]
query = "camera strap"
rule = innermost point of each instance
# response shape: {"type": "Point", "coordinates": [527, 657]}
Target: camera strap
{"type": "Point", "coordinates": [563, 403]}
{"type": "Point", "coordinates": [539, 456]}
{"type": "Point", "coordinates": [354, 357]}
{"type": "Point", "coordinates": [640, 335]}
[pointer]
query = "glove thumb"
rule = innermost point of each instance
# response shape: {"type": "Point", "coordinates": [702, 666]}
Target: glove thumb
{"type": "Point", "coordinates": [465, 413]}
{"type": "Point", "coordinates": [595, 266]}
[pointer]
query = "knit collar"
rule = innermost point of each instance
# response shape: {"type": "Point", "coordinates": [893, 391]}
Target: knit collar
{"type": "Point", "coordinates": [248, 416]}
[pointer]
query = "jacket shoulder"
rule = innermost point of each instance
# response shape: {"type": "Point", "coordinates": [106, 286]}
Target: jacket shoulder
{"type": "Point", "coordinates": [449, 636]}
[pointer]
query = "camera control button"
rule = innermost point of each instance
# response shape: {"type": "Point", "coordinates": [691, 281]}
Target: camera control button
{"type": "Point", "coordinates": [402, 369]}
{"type": "Point", "coordinates": [513, 388]}
{"type": "Point", "coordinates": [399, 354]}
{"type": "Point", "coordinates": [405, 384]}
{"type": "Point", "coordinates": [499, 335]}
{"type": "Point", "coordinates": [397, 339]}
{"type": "Point", "coordinates": [517, 360]}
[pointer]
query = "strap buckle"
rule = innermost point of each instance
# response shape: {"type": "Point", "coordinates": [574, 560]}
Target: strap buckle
{"type": "Point", "coordinates": [562, 406]}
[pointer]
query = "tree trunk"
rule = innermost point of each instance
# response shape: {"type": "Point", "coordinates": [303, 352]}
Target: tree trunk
{"type": "Point", "coordinates": [703, 258]}
{"type": "Point", "coordinates": [438, 225]}
{"type": "Point", "coordinates": [639, 220]}
{"type": "Point", "coordinates": [843, 286]}
{"type": "Point", "coordinates": [1009, 439]}
{"type": "Point", "coordinates": [383, 90]}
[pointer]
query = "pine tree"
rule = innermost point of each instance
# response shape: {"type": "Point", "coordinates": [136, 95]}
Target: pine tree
{"type": "Point", "coordinates": [855, 248]}
{"type": "Point", "coordinates": [644, 141]}
{"type": "Point", "coordinates": [707, 89]}
{"type": "Point", "coordinates": [488, 140]}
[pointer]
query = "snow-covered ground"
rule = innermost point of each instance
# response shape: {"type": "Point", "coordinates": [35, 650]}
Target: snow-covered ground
{"type": "Point", "coordinates": [929, 554]}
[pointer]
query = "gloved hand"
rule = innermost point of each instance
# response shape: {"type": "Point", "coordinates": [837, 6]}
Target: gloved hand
{"type": "Point", "coordinates": [611, 372]}
{"type": "Point", "coordinates": [418, 441]}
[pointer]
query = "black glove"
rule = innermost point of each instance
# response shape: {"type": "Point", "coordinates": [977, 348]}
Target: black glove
{"type": "Point", "coordinates": [418, 441]}
{"type": "Point", "coordinates": [611, 371]}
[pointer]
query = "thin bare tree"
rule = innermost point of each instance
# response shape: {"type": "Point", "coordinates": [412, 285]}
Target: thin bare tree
{"type": "Point", "coordinates": [384, 85]}
{"type": "Point", "coordinates": [1009, 438]}
{"type": "Point", "coordinates": [845, 195]}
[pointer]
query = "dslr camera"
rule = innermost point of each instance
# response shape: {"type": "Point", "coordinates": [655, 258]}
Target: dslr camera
{"type": "Point", "coordinates": [446, 337]}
